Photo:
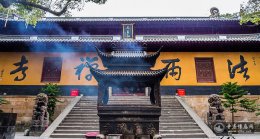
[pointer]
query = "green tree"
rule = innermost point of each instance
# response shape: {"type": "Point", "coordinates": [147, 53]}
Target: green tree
{"type": "Point", "coordinates": [250, 12]}
{"type": "Point", "coordinates": [3, 101]}
{"type": "Point", "coordinates": [33, 10]}
{"type": "Point", "coordinates": [53, 91]}
{"type": "Point", "coordinates": [233, 99]}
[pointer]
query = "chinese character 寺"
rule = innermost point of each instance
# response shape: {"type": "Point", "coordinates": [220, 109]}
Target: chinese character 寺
{"type": "Point", "coordinates": [21, 68]}
{"type": "Point", "coordinates": [241, 65]}
{"type": "Point", "coordinates": [171, 70]}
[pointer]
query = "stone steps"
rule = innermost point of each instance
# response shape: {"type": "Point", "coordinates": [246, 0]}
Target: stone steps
{"type": "Point", "coordinates": [86, 107]}
{"type": "Point", "coordinates": [83, 112]}
{"type": "Point", "coordinates": [174, 117]}
{"type": "Point", "coordinates": [67, 135]}
{"type": "Point", "coordinates": [184, 135]}
{"type": "Point", "coordinates": [80, 127]}
{"type": "Point", "coordinates": [69, 123]}
{"type": "Point", "coordinates": [180, 131]}
{"type": "Point", "coordinates": [80, 114]}
{"type": "Point", "coordinates": [80, 124]}
{"type": "Point", "coordinates": [81, 119]}
{"type": "Point", "coordinates": [175, 122]}
{"type": "Point", "coordinates": [178, 127]}
{"type": "Point", "coordinates": [76, 131]}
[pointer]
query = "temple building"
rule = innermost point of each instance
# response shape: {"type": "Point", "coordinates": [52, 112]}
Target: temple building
{"type": "Point", "coordinates": [202, 53]}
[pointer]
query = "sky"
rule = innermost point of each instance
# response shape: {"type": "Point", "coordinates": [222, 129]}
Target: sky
{"type": "Point", "coordinates": [153, 8]}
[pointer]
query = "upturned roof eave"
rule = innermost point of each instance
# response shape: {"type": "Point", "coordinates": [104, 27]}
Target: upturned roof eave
{"type": "Point", "coordinates": [102, 75]}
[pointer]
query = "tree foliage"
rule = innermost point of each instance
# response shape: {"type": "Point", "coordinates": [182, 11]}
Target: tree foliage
{"type": "Point", "coordinates": [234, 101]}
{"type": "Point", "coordinates": [53, 91]}
{"type": "Point", "coordinates": [33, 10]}
{"type": "Point", "coordinates": [250, 12]}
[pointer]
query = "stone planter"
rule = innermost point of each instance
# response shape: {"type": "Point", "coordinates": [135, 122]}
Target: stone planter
{"type": "Point", "coordinates": [7, 125]}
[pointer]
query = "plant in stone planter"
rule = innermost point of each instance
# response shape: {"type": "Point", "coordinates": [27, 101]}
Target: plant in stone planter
{"type": "Point", "coordinates": [53, 91]}
{"type": "Point", "coordinates": [233, 99]}
{"type": "Point", "coordinates": [3, 101]}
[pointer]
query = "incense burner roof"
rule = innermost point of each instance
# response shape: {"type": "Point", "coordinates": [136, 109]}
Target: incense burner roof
{"type": "Point", "coordinates": [128, 59]}
{"type": "Point", "coordinates": [130, 75]}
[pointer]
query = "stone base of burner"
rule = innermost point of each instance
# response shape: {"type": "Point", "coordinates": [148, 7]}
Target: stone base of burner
{"type": "Point", "coordinates": [130, 121]}
{"type": "Point", "coordinates": [120, 136]}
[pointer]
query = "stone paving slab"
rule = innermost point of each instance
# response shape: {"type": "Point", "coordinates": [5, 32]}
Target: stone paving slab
{"type": "Point", "coordinates": [19, 135]}
{"type": "Point", "coordinates": [247, 136]}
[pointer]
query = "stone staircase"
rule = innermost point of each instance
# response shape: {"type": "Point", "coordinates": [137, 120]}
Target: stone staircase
{"type": "Point", "coordinates": [81, 119]}
{"type": "Point", "coordinates": [175, 122]}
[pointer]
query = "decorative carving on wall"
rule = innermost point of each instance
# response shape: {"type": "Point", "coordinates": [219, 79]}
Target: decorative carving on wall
{"type": "Point", "coordinates": [106, 128]}
{"type": "Point", "coordinates": [138, 129]}
{"type": "Point", "coordinates": [150, 129]}
{"type": "Point", "coordinates": [123, 129]}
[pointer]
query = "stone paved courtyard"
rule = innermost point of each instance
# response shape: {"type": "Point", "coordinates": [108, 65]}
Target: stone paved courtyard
{"type": "Point", "coordinates": [19, 135]}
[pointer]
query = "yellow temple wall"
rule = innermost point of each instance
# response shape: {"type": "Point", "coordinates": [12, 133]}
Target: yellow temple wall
{"type": "Point", "coordinates": [71, 60]}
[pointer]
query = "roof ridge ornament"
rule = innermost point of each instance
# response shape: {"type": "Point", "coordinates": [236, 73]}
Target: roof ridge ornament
{"type": "Point", "coordinates": [214, 12]}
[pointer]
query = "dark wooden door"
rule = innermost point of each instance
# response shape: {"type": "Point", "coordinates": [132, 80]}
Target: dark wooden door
{"type": "Point", "coordinates": [205, 70]}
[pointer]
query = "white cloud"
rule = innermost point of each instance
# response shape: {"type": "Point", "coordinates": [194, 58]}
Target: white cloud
{"type": "Point", "coordinates": [137, 8]}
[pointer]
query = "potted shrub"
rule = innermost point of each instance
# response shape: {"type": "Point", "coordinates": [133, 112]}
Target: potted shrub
{"type": "Point", "coordinates": [53, 91]}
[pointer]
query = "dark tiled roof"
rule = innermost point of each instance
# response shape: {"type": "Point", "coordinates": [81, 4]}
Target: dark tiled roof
{"type": "Point", "coordinates": [113, 26]}
{"type": "Point", "coordinates": [128, 74]}
{"type": "Point", "coordinates": [139, 38]}
{"type": "Point", "coordinates": [131, 73]}
{"type": "Point", "coordinates": [93, 19]}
